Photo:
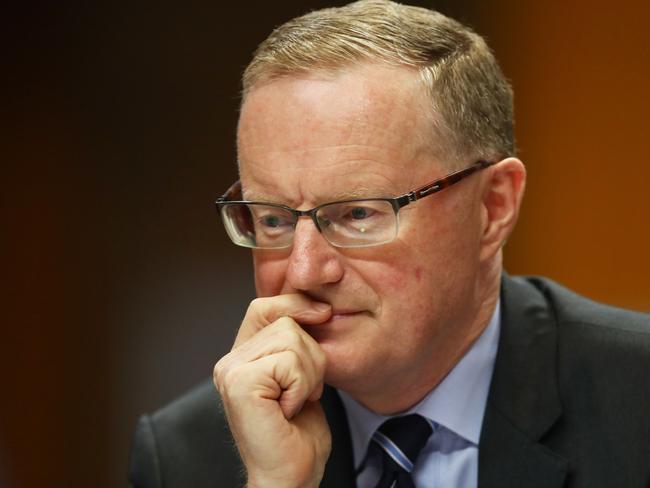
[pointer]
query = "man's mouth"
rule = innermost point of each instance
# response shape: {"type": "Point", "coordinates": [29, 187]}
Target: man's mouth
{"type": "Point", "coordinates": [343, 314]}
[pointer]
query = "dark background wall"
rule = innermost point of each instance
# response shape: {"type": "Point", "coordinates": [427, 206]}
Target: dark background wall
{"type": "Point", "coordinates": [119, 288]}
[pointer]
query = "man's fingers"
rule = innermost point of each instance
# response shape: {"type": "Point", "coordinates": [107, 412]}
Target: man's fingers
{"type": "Point", "coordinates": [286, 334]}
{"type": "Point", "coordinates": [264, 311]}
{"type": "Point", "coordinates": [282, 377]}
{"type": "Point", "coordinates": [270, 383]}
{"type": "Point", "coordinates": [296, 360]}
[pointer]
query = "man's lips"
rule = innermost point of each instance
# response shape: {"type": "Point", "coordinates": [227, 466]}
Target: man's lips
{"type": "Point", "coordinates": [336, 316]}
{"type": "Point", "coordinates": [342, 314]}
{"type": "Point", "coordinates": [340, 323]}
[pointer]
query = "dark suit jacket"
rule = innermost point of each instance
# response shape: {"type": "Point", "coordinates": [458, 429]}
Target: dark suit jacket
{"type": "Point", "coordinates": [569, 406]}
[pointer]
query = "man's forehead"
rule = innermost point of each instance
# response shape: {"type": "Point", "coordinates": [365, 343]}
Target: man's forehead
{"type": "Point", "coordinates": [359, 134]}
{"type": "Point", "coordinates": [368, 101]}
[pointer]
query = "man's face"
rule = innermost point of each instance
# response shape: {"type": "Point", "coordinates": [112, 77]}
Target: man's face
{"type": "Point", "coordinates": [400, 308]}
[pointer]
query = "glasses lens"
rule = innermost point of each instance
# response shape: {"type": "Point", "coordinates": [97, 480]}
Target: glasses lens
{"type": "Point", "coordinates": [259, 226]}
{"type": "Point", "coordinates": [358, 223]}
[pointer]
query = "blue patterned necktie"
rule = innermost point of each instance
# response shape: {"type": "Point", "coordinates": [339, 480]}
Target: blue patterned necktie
{"type": "Point", "coordinates": [401, 439]}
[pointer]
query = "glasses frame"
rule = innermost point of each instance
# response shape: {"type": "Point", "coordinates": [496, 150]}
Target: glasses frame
{"type": "Point", "coordinates": [397, 203]}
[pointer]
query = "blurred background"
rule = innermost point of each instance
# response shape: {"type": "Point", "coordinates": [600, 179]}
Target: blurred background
{"type": "Point", "coordinates": [119, 288]}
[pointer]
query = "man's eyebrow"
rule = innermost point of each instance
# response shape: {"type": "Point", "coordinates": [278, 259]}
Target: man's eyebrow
{"type": "Point", "coordinates": [251, 196]}
{"type": "Point", "coordinates": [347, 194]}
{"type": "Point", "coordinates": [361, 192]}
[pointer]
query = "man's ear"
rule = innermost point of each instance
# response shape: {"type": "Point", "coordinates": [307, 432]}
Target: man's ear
{"type": "Point", "coordinates": [502, 196]}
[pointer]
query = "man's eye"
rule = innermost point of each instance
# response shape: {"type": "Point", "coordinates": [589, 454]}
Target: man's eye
{"type": "Point", "coordinates": [271, 221]}
{"type": "Point", "coordinates": [358, 213]}
{"type": "Point", "coordinates": [274, 223]}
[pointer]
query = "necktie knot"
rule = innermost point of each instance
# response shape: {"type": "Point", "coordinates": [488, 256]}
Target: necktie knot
{"type": "Point", "coordinates": [402, 439]}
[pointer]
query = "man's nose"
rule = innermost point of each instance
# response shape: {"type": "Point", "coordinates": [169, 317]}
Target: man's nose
{"type": "Point", "coordinates": [313, 261]}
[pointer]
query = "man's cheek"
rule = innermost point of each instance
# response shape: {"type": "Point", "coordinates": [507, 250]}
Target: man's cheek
{"type": "Point", "coordinates": [399, 279]}
{"type": "Point", "coordinates": [269, 278]}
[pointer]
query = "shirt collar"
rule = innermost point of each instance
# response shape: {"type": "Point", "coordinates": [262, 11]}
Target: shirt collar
{"type": "Point", "coordinates": [457, 403]}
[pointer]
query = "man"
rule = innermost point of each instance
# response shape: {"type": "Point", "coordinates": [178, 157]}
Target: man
{"type": "Point", "coordinates": [378, 185]}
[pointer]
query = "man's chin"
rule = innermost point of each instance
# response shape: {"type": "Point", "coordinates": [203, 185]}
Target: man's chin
{"type": "Point", "coordinates": [345, 369]}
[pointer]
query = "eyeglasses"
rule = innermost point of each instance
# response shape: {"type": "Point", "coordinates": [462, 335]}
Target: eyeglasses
{"type": "Point", "coordinates": [362, 222]}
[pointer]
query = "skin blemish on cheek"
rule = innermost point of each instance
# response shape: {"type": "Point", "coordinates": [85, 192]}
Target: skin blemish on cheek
{"type": "Point", "coordinates": [394, 280]}
{"type": "Point", "coordinates": [418, 273]}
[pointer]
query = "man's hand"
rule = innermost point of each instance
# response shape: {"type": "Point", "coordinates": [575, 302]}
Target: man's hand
{"type": "Point", "coordinates": [270, 384]}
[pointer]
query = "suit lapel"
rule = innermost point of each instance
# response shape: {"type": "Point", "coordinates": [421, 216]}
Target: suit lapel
{"type": "Point", "coordinates": [339, 470]}
{"type": "Point", "coordinates": [523, 403]}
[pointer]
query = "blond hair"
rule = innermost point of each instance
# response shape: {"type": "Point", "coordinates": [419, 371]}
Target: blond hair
{"type": "Point", "coordinates": [471, 101]}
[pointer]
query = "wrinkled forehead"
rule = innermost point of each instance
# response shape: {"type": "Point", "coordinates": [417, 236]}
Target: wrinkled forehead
{"type": "Point", "coordinates": [362, 105]}
{"type": "Point", "coordinates": [347, 126]}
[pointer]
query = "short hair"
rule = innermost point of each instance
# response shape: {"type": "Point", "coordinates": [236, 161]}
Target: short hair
{"type": "Point", "coordinates": [471, 101]}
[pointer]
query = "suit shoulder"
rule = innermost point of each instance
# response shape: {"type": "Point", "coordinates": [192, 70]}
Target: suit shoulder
{"type": "Point", "coordinates": [193, 440]}
{"type": "Point", "coordinates": [585, 365]}
{"type": "Point", "coordinates": [199, 406]}
{"type": "Point", "coordinates": [571, 309]}
{"type": "Point", "coordinates": [599, 346]}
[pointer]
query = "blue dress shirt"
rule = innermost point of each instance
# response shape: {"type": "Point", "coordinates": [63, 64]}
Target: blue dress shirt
{"type": "Point", "coordinates": [456, 406]}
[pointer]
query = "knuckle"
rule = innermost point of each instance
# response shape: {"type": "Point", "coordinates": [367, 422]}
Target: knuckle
{"type": "Point", "coordinates": [286, 322]}
{"type": "Point", "coordinates": [233, 382]}
{"type": "Point", "coordinates": [259, 306]}
{"type": "Point", "coordinates": [290, 367]}
{"type": "Point", "coordinates": [219, 366]}
{"type": "Point", "coordinates": [256, 303]}
{"type": "Point", "coordinates": [295, 337]}
{"type": "Point", "coordinates": [225, 374]}
{"type": "Point", "coordinates": [294, 358]}
{"type": "Point", "coordinates": [255, 307]}
{"type": "Point", "coordinates": [219, 372]}
{"type": "Point", "coordinates": [292, 337]}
